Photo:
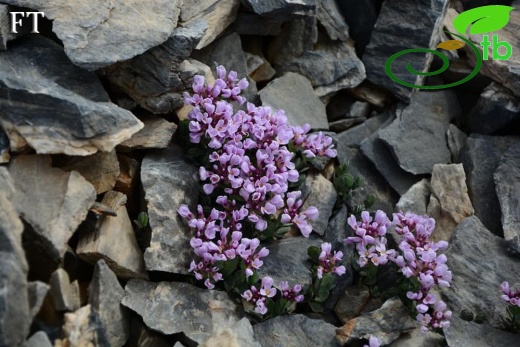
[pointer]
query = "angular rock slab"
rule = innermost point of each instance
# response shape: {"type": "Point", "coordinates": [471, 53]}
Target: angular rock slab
{"type": "Point", "coordinates": [293, 93]}
{"type": "Point", "coordinates": [168, 182]}
{"type": "Point", "coordinates": [507, 181]}
{"type": "Point", "coordinates": [451, 203]}
{"type": "Point", "coordinates": [56, 107]}
{"type": "Point", "coordinates": [470, 334]}
{"type": "Point", "coordinates": [354, 136]}
{"type": "Point", "coordinates": [92, 32]}
{"type": "Point", "coordinates": [403, 25]}
{"type": "Point", "coordinates": [153, 79]}
{"type": "Point", "coordinates": [456, 140]}
{"type": "Point", "coordinates": [282, 9]}
{"type": "Point", "coordinates": [416, 199]}
{"type": "Point", "coordinates": [37, 291]}
{"type": "Point", "coordinates": [295, 330]}
{"type": "Point", "coordinates": [39, 339]}
{"type": "Point", "coordinates": [65, 294]}
{"type": "Point", "coordinates": [288, 260]}
{"type": "Point", "coordinates": [113, 239]}
{"type": "Point", "coordinates": [54, 213]}
{"type": "Point", "coordinates": [173, 307]}
{"type": "Point", "coordinates": [480, 156]}
{"type": "Point", "coordinates": [322, 196]}
{"type": "Point", "coordinates": [386, 323]}
{"type": "Point", "coordinates": [15, 315]}
{"type": "Point", "coordinates": [239, 334]}
{"type": "Point", "coordinates": [417, 338]}
{"type": "Point", "coordinates": [157, 133]}
{"type": "Point", "coordinates": [479, 265]}
{"type": "Point", "coordinates": [330, 17]}
{"type": "Point", "coordinates": [105, 299]}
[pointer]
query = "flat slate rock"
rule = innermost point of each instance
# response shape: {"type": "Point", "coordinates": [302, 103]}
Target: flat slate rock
{"type": "Point", "coordinates": [479, 264]}
{"type": "Point", "coordinates": [168, 182]}
{"type": "Point", "coordinates": [174, 307]}
{"type": "Point", "coordinates": [480, 156]}
{"type": "Point", "coordinates": [282, 9]}
{"type": "Point", "coordinates": [157, 133]}
{"type": "Point", "coordinates": [239, 334]}
{"type": "Point", "coordinates": [508, 190]}
{"type": "Point", "coordinates": [323, 196]}
{"type": "Point", "coordinates": [330, 17]}
{"type": "Point", "coordinates": [54, 106]}
{"type": "Point", "coordinates": [293, 93]}
{"type": "Point", "coordinates": [353, 137]}
{"type": "Point", "coordinates": [416, 199]}
{"type": "Point", "coordinates": [295, 330]}
{"type": "Point", "coordinates": [470, 334]}
{"type": "Point", "coordinates": [153, 78]}
{"type": "Point", "coordinates": [497, 109]}
{"type": "Point", "coordinates": [403, 24]}
{"type": "Point", "coordinates": [92, 32]}
{"type": "Point", "coordinates": [39, 339]}
{"type": "Point", "coordinates": [456, 140]}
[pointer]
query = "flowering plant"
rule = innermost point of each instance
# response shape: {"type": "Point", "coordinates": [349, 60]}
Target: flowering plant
{"type": "Point", "coordinates": [512, 297]}
{"type": "Point", "coordinates": [417, 261]}
{"type": "Point", "coordinates": [250, 164]}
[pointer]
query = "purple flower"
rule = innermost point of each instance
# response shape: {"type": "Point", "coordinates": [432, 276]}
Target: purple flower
{"type": "Point", "coordinates": [373, 342]}
{"type": "Point", "coordinates": [267, 288]}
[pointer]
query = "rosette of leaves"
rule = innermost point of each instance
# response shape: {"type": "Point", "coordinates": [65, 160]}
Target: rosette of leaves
{"type": "Point", "coordinates": [345, 184]}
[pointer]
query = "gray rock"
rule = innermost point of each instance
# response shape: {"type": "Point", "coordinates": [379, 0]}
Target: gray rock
{"type": "Point", "coordinates": [65, 294]}
{"type": "Point", "coordinates": [295, 330]}
{"type": "Point", "coordinates": [473, 255]}
{"type": "Point", "coordinates": [253, 24]}
{"type": "Point", "coordinates": [100, 169]}
{"type": "Point", "coordinates": [373, 182]}
{"type": "Point", "coordinates": [505, 72]}
{"type": "Point", "coordinates": [380, 155]}
{"type": "Point", "coordinates": [105, 299]}
{"type": "Point", "coordinates": [323, 196]}
{"type": "Point", "coordinates": [330, 17]}
{"type": "Point", "coordinates": [168, 182]}
{"type": "Point", "coordinates": [227, 51]}
{"type": "Point", "coordinates": [418, 143]}
{"type": "Point", "coordinates": [36, 292]}
{"type": "Point", "coordinates": [173, 307]}
{"type": "Point", "coordinates": [386, 323]}
{"type": "Point", "coordinates": [496, 109]}
{"type": "Point", "coordinates": [416, 338]}
{"type": "Point", "coordinates": [239, 334]}
{"type": "Point", "coordinates": [294, 94]}
{"type": "Point", "coordinates": [53, 213]}
{"type": "Point", "coordinates": [361, 16]}
{"type": "Point", "coordinates": [355, 301]}
{"type": "Point", "coordinates": [141, 336]}
{"type": "Point", "coordinates": [92, 33]}
{"type": "Point", "coordinates": [396, 20]}
{"type": "Point", "coordinates": [39, 339]}
{"type": "Point", "coordinates": [371, 93]}
{"type": "Point", "coordinates": [480, 156]}
{"type": "Point", "coordinates": [470, 334]}
{"type": "Point", "coordinates": [359, 109]}
{"type": "Point", "coordinates": [448, 187]}
{"type": "Point", "coordinates": [354, 136]}
{"type": "Point", "coordinates": [112, 238]}
{"type": "Point", "coordinates": [282, 9]}
{"type": "Point", "coordinates": [416, 198]}
{"type": "Point", "coordinates": [80, 330]}
{"type": "Point", "coordinates": [4, 147]}
{"type": "Point", "coordinates": [152, 79]}
{"type": "Point", "coordinates": [441, 105]}
{"type": "Point", "coordinates": [15, 315]}
{"type": "Point", "coordinates": [288, 260]}
{"type": "Point", "coordinates": [190, 9]}
{"type": "Point", "coordinates": [217, 15]}
{"type": "Point", "coordinates": [157, 133]}
{"type": "Point", "coordinates": [59, 108]}
{"type": "Point", "coordinates": [5, 30]}
{"type": "Point", "coordinates": [345, 124]}
{"type": "Point", "coordinates": [508, 190]}
{"type": "Point", "coordinates": [456, 140]}
{"type": "Point", "coordinates": [296, 37]}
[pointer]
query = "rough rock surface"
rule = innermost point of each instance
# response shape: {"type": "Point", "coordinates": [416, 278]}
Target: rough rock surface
{"type": "Point", "coordinates": [92, 32]}
{"type": "Point", "coordinates": [113, 239]}
{"type": "Point", "coordinates": [100, 169]}
{"type": "Point", "coordinates": [281, 9]}
{"type": "Point", "coordinates": [157, 133]}
{"type": "Point", "coordinates": [294, 94]}
{"type": "Point", "coordinates": [417, 338]}
{"type": "Point", "coordinates": [153, 79]}
{"type": "Point", "coordinates": [479, 265]}
{"type": "Point", "coordinates": [4, 147]}
{"type": "Point", "coordinates": [239, 334]}
{"type": "Point", "coordinates": [323, 196]}
{"type": "Point", "coordinates": [39, 339]}
{"type": "Point", "coordinates": [56, 107]}
{"type": "Point", "coordinates": [105, 299]}
{"type": "Point", "coordinates": [403, 25]}
{"type": "Point", "coordinates": [456, 140]}
{"type": "Point", "coordinates": [65, 294]}
{"type": "Point", "coordinates": [481, 156]}
{"type": "Point", "coordinates": [295, 330]}
{"type": "Point", "coordinates": [354, 136]}
{"type": "Point", "coordinates": [166, 171]}
{"type": "Point", "coordinates": [53, 213]}
{"type": "Point", "coordinates": [448, 188]}
{"type": "Point", "coordinates": [508, 189]}
{"type": "Point", "coordinates": [36, 292]}
{"type": "Point", "coordinates": [416, 199]}
{"type": "Point", "coordinates": [172, 307]}
{"type": "Point", "coordinates": [330, 17]}
{"type": "Point", "coordinates": [470, 334]}
{"type": "Point", "coordinates": [15, 317]}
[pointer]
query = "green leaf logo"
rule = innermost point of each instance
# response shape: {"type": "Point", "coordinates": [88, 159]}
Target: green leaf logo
{"type": "Point", "coordinates": [484, 19]}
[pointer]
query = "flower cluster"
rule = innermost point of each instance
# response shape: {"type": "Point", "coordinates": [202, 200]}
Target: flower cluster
{"type": "Point", "coordinates": [417, 258]}
{"type": "Point", "coordinates": [259, 297]}
{"type": "Point", "coordinates": [328, 261]}
{"type": "Point", "coordinates": [510, 296]}
{"type": "Point", "coordinates": [251, 160]}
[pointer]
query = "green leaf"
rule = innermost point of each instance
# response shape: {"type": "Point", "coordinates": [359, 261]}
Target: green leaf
{"type": "Point", "coordinates": [466, 315]}
{"type": "Point", "coordinates": [485, 19]}
{"type": "Point", "coordinates": [480, 318]}
{"type": "Point", "coordinates": [316, 307]}
{"type": "Point", "coordinates": [314, 253]}
{"type": "Point", "coordinates": [142, 218]}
